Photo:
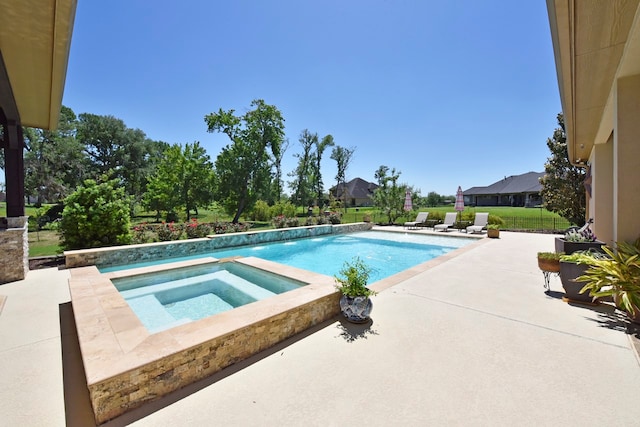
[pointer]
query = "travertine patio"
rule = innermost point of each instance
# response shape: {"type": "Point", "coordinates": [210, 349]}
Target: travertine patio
{"type": "Point", "coordinates": [471, 340]}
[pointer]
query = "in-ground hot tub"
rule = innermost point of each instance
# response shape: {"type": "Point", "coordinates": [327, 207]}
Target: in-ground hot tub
{"type": "Point", "coordinates": [127, 365]}
{"type": "Point", "coordinates": [168, 298]}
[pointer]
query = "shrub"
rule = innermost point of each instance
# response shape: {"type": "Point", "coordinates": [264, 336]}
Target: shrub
{"type": "Point", "coordinates": [140, 233]}
{"type": "Point", "coordinates": [95, 215]}
{"type": "Point", "coordinates": [321, 220]}
{"type": "Point", "coordinates": [293, 222]}
{"type": "Point", "coordinates": [495, 220]}
{"type": "Point", "coordinates": [169, 231]}
{"type": "Point", "coordinates": [283, 208]}
{"type": "Point", "coordinates": [335, 218]}
{"type": "Point", "coordinates": [279, 221]}
{"type": "Point", "coordinates": [195, 230]}
{"type": "Point", "coordinates": [261, 211]}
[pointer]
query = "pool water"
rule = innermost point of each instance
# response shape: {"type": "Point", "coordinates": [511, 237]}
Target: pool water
{"type": "Point", "coordinates": [387, 253]}
{"type": "Point", "coordinates": [162, 300]}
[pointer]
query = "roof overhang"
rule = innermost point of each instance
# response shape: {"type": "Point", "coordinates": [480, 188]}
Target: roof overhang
{"type": "Point", "coordinates": [595, 43]}
{"type": "Point", "coordinates": [35, 38]}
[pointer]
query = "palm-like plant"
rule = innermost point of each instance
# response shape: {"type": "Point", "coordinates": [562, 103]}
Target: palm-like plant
{"type": "Point", "coordinates": [617, 276]}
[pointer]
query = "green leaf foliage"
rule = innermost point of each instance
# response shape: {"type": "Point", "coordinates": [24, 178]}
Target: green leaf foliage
{"type": "Point", "coordinates": [95, 215]}
{"type": "Point", "coordinates": [183, 180]}
{"type": "Point", "coordinates": [389, 196]}
{"type": "Point", "coordinates": [244, 167]}
{"type": "Point", "coordinates": [352, 279]}
{"type": "Point", "coordinates": [563, 184]}
{"type": "Point", "coordinates": [617, 274]}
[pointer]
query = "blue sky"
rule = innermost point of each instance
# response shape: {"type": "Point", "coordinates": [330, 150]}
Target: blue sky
{"type": "Point", "coordinates": [449, 93]}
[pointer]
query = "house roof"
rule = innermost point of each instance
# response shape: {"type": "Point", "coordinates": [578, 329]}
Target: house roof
{"type": "Point", "coordinates": [358, 188]}
{"type": "Point", "coordinates": [596, 43]}
{"type": "Point", "coordinates": [35, 38]}
{"type": "Point", "coordinates": [526, 183]}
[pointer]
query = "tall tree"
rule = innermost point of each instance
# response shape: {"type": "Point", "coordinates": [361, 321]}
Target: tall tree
{"type": "Point", "coordinates": [326, 142]}
{"type": "Point", "coordinates": [184, 178]}
{"type": "Point", "coordinates": [389, 196]}
{"type": "Point", "coordinates": [343, 157]}
{"type": "Point", "coordinates": [276, 185]}
{"type": "Point", "coordinates": [104, 139]}
{"type": "Point", "coordinates": [243, 167]}
{"type": "Point", "coordinates": [563, 189]}
{"type": "Point", "coordinates": [53, 160]}
{"type": "Point", "coordinates": [302, 185]}
{"type": "Point", "coordinates": [119, 152]}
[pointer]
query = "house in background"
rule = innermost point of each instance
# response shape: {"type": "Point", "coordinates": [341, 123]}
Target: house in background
{"type": "Point", "coordinates": [514, 190]}
{"type": "Point", "coordinates": [356, 192]}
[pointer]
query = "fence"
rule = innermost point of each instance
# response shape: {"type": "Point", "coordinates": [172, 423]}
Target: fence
{"type": "Point", "coordinates": [535, 224]}
{"type": "Point", "coordinates": [546, 224]}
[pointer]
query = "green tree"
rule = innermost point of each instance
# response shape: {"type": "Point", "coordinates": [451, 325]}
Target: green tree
{"type": "Point", "coordinates": [243, 168]}
{"type": "Point", "coordinates": [389, 196]}
{"type": "Point", "coordinates": [184, 178]}
{"type": "Point", "coordinates": [326, 142]}
{"type": "Point", "coordinates": [53, 161]}
{"type": "Point", "coordinates": [95, 215]}
{"type": "Point", "coordinates": [433, 199]}
{"type": "Point", "coordinates": [343, 157]}
{"type": "Point", "coordinates": [120, 152]}
{"type": "Point", "coordinates": [563, 183]}
{"type": "Point", "coordinates": [276, 183]}
{"type": "Point", "coordinates": [303, 183]}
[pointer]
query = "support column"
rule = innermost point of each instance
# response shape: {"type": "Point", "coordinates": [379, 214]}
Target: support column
{"type": "Point", "coordinates": [14, 168]}
{"type": "Point", "coordinates": [626, 160]}
{"type": "Point", "coordinates": [601, 202]}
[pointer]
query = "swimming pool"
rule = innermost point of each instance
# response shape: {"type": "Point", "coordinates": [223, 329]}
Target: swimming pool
{"type": "Point", "coordinates": [166, 299]}
{"type": "Point", "coordinates": [127, 366]}
{"type": "Point", "coordinates": [386, 252]}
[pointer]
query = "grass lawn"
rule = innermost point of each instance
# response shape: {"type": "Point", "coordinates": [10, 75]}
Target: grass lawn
{"type": "Point", "coordinates": [44, 243]}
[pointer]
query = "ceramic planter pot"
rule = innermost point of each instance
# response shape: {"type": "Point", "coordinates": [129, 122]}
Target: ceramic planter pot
{"type": "Point", "coordinates": [569, 271]}
{"type": "Point", "coordinates": [571, 247]}
{"type": "Point", "coordinates": [549, 265]}
{"type": "Point", "coordinates": [356, 309]}
{"type": "Point", "coordinates": [493, 233]}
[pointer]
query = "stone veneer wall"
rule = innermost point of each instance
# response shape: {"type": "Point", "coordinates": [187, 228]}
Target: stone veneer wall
{"type": "Point", "coordinates": [118, 255]}
{"type": "Point", "coordinates": [119, 394]}
{"type": "Point", "coordinates": [14, 250]}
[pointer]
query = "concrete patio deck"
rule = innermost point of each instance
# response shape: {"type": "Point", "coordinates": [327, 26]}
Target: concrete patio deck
{"type": "Point", "coordinates": [472, 341]}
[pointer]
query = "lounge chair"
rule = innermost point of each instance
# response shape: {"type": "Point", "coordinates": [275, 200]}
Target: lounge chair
{"type": "Point", "coordinates": [479, 223]}
{"type": "Point", "coordinates": [449, 220]}
{"type": "Point", "coordinates": [420, 218]}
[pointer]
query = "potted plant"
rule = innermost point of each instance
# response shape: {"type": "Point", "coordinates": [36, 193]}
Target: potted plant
{"type": "Point", "coordinates": [578, 239]}
{"type": "Point", "coordinates": [355, 303]}
{"type": "Point", "coordinates": [617, 275]}
{"type": "Point", "coordinates": [572, 267]}
{"type": "Point", "coordinates": [493, 231]}
{"type": "Point", "coordinates": [549, 261]}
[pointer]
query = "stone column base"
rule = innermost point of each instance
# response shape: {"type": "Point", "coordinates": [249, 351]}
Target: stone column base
{"type": "Point", "coordinates": [14, 249]}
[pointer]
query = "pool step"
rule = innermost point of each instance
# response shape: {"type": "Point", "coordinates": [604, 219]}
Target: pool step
{"type": "Point", "coordinates": [152, 313]}
{"type": "Point", "coordinates": [217, 283]}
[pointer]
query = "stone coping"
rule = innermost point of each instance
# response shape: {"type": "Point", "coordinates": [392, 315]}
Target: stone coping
{"type": "Point", "coordinates": [113, 339]}
{"type": "Point", "coordinates": [119, 353]}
